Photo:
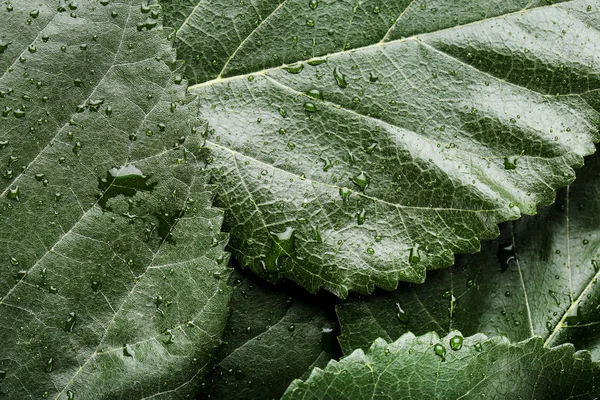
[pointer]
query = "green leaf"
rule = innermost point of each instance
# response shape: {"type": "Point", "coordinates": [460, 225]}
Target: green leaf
{"type": "Point", "coordinates": [109, 240]}
{"type": "Point", "coordinates": [403, 135]}
{"type": "Point", "coordinates": [273, 336]}
{"type": "Point", "coordinates": [428, 367]}
{"type": "Point", "coordinates": [540, 278]}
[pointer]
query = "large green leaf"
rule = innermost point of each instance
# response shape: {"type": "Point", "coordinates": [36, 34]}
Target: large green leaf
{"type": "Point", "coordinates": [539, 278]}
{"type": "Point", "coordinates": [109, 243]}
{"type": "Point", "coordinates": [273, 336]}
{"type": "Point", "coordinates": [404, 133]}
{"type": "Point", "coordinates": [454, 367]}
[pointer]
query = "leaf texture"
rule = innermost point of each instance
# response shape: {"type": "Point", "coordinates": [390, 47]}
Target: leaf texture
{"type": "Point", "coordinates": [273, 336]}
{"type": "Point", "coordinates": [109, 240]}
{"type": "Point", "coordinates": [539, 278]}
{"type": "Point", "coordinates": [427, 367]}
{"type": "Point", "coordinates": [357, 144]}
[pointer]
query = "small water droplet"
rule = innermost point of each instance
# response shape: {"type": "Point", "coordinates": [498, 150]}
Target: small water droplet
{"type": "Point", "coordinates": [49, 365]}
{"type": "Point", "coordinates": [310, 107]}
{"type": "Point", "coordinates": [70, 322]}
{"type": "Point", "coordinates": [506, 254]}
{"type": "Point", "coordinates": [401, 314]}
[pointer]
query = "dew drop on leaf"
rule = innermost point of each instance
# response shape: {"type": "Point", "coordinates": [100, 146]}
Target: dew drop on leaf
{"type": "Point", "coordinates": [340, 78]}
{"type": "Point", "coordinates": [456, 342]}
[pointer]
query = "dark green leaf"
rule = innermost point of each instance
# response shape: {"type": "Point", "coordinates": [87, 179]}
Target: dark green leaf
{"type": "Point", "coordinates": [454, 367]}
{"type": "Point", "coordinates": [274, 335]}
{"type": "Point", "coordinates": [539, 278]}
{"type": "Point", "coordinates": [109, 241]}
{"type": "Point", "coordinates": [402, 136]}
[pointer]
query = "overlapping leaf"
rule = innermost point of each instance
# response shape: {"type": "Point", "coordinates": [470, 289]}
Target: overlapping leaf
{"type": "Point", "coordinates": [539, 278]}
{"type": "Point", "coordinates": [109, 243]}
{"type": "Point", "coordinates": [359, 143]}
{"type": "Point", "coordinates": [454, 367]}
{"type": "Point", "coordinates": [273, 336]}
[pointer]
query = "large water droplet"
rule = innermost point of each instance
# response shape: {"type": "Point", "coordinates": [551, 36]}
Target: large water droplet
{"type": "Point", "coordinates": [456, 342]}
{"type": "Point", "coordinates": [440, 350]}
{"type": "Point", "coordinates": [361, 180]}
{"type": "Point", "coordinates": [340, 78]}
{"type": "Point", "coordinates": [295, 68]}
{"type": "Point", "coordinates": [282, 246]}
{"type": "Point", "coordinates": [127, 180]}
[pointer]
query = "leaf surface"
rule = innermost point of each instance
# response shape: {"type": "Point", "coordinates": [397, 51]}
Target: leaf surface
{"type": "Point", "coordinates": [273, 336]}
{"type": "Point", "coordinates": [358, 144]}
{"type": "Point", "coordinates": [539, 278]}
{"type": "Point", "coordinates": [109, 239]}
{"type": "Point", "coordinates": [427, 367]}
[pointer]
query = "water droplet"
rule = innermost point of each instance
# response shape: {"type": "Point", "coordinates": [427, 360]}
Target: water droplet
{"type": "Point", "coordinates": [282, 246]}
{"type": "Point", "coordinates": [452, 306]}
{"type": "Point", "coordinates": [313, 4]}
{"type": "Point", "coordinates": [127, 181]}
{"type": "Point", "coordinates": [315, 94]}
{"type": "Point", "coordinates": [401, 314]}
{"type": "Point", "coordinates": [291, 328]}
{"type": "Point", "coordinates": [596, 265]}
{"type": "Point", "coordinates": [440, 350]}
{"type": "Point", "coordinates": [170, 337]}
{"type": "Point", "coordinates": [128, 351]}
{"type": "Point", "coordinates": [510, 162]}
{"type": "Point", "coordinates": [49, 365]}
{"type": "Point", "coordinates": [345, 193]}
{"type": "Point", "coordinates": [310, 107]}
{"type": "Point", "coordinates": [295, 68]}
{"type": "Point", "coordinates": [70, 322]}
{"type": "Point", "coordinates": [3, 46]}
{"type": "Point", "coordinates": [414, 257]}
{"type": "Point", "coordinates": [456, 342]}
{"type": "Point", "coordinates": [478, 346]}
{"type": "Point", "coordinates": [361, 180]}
{"type": "Point", "coordinates": [96, 285]}
{"type": "Point", "coordinates": [70, 395]}
{"type": "Point", "coordinates": [14, 193]}
{"type": "Point", "coordinates": [506, 254]}
{"type": "Point", "coordinates": [340, 78]}
{"type": "Point", "coordinates": [360, 216]}
{"type": "Point", "coordinates": [316, 234]}
{"type": "Point", "coordinates": [554, 296]}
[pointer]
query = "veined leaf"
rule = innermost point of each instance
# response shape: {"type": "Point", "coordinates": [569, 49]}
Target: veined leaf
{"type": "Point", "coordinates": [540, 278]}
{"type": "Point", "coordinates": [273, 336]}
{"type": "Point", "coordinates": [109, 241]}
{"type": "Point", "coordinates": [360, 143]}
{"type": "Point", "coordinates": [454, 367]}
